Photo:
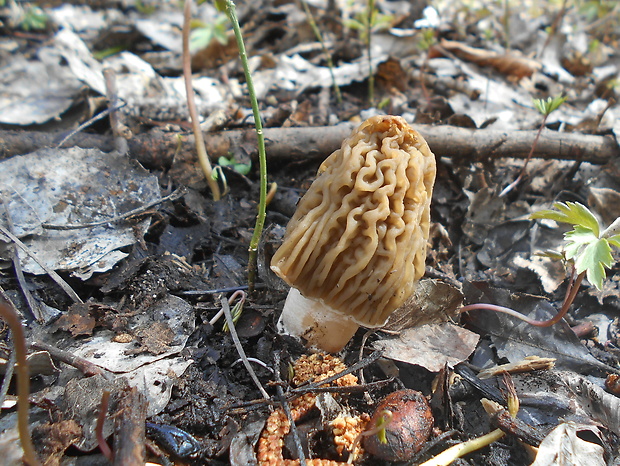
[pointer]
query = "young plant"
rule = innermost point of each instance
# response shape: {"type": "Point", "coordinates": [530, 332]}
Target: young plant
{"type": "Point", "coordinates": [586, 250]}
{"type": "Point", "coordinates": [366, 23]}
{"type": "Point", "coordinates": [326, 52]}
{"type": "Point", "coordinates": [203, 33]}
{"type": "Point", "coordinates": [545, 107]}
{"type": "Point", "coordinates": [459, 450]}
{"type": "Point", "coordinates": [228, 6]}
{"type": "Point", "coordinates": [239, 167]}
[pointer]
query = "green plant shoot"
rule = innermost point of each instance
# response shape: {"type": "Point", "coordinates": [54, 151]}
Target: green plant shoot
{"type": "Point", "coordinates": [242, 168]}
{"type": "Point", "coordinates": [545, 107]}
{"type": "Point", "coordinates": [382, 423]}
{"type": "Point", "coordinates": [203, 33]}
{"type": "Point", "coordinates": [228, 6]}
{"type": "Point", "coordinates": [586, 246]}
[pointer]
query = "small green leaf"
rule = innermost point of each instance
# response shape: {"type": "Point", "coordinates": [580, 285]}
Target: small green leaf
{"type": "Point", "coordinates": [577, 239]}
{"type": "Point", "coordinates": [614, 241]}
{"type": "Point", "coordinates": [594, 259]}
{"type": "Point", "coordinates": [547, 106]}
{"type": "Point", "coordinates": [570, 212]}
{"type": "Point", "coordinates": [553, 255]}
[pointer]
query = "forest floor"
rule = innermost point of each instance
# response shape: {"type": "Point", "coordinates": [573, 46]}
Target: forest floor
{"type": "Point", "coordinates": [120, 262]}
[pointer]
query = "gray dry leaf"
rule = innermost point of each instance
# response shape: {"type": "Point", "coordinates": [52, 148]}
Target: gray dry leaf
{"type": "Point", "coordinates": [152, 373]}
{"type": "Point", "coordinates": [516, 340]}
{"type": "Point", "coordinates": [35, 91]}
{"type": "Point", "coordinates": [433, 301]}
{"type": "Point", "coordinates": [431, 346]}
{"type": "Point", "coordinates": [74, 186]}
{"type": "Point", "coordinates": [564, 447]}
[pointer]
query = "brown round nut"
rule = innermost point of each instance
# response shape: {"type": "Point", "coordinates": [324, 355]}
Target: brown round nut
{"type": "Point", "coordinates": [409, 429]}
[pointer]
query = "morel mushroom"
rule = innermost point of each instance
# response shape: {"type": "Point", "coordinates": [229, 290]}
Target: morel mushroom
{"type": "Point", "coordinates": [356, 246]}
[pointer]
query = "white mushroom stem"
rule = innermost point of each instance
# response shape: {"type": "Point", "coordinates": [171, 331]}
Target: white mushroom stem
{"type": "Point", "coordinates": [319, 325]}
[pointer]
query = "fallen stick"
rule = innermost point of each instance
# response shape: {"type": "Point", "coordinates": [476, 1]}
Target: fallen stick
{"type": "Point", "coordinates": [157, 149]}
{"type": "Point", "coordinates": [130, 429]}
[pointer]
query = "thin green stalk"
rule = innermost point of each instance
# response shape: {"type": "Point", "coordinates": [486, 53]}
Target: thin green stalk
{"type": "Point", "coordinates": [229, 8]}
{"type": "Point", "coordinates": [328, 55]}
{"type": "Point", "coordinates": [11, 317]}
{"type": "Point", "coordinates": [201, 149]}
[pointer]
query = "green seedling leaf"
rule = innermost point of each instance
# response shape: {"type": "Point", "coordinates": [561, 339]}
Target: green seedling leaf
{"type": "Point", "coordinates": [553, 255]}
{"type": "Point", "coordinates": [596, 257]}
{"type": "Point", "coordinates": [382, 423]}
{"type": "Point", "coordinates": [242, 168]}
{"type": "Point", "coordinates": [34, 19]}
{"type": "Point", "coordinates": [570, 212]}
{"type": "Point", "coordinates": [585, 245]}
{"type": "Point", "coordinates": [577, 239]}
{"type": "Point", "coordinates": [547, 106]}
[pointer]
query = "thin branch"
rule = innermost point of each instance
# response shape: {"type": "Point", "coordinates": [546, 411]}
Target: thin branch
{"type": "Point", "coordinates": [83, 365]}
{"type": "Point", "coordinates": [118, 218]}
{"type": "Point", "coordinates": [52, 273]}
{"type": "Point", "coordinates": [287, 409]}
{"type": "Point", "coordinates": [235, 337]}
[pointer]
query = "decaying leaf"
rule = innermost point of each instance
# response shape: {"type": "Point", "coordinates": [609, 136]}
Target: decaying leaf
{"type": "Point", "coordinates": [433, 301]}
{"type": "Point", "coordinates": [431, 346]}
{"type": "Point", "coordinates": [564, 447]}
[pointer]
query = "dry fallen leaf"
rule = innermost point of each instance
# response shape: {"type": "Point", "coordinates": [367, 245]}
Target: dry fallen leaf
{"type": "Point", "coordinates": [511, 64]}
{"type": "Point", "coordinates": [430, 346]}
{"type": "Point", "coordinates": [564, 447]}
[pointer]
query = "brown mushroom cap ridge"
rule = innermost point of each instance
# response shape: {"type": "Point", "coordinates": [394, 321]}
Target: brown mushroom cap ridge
{"type": "Point", "coordinates": [357, 241]}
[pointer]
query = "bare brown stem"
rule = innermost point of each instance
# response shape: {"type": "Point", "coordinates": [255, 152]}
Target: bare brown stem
{"type": "Point", "coordinates": [201, 149]}
{"type": "Point", "coordinates": [11, 317]}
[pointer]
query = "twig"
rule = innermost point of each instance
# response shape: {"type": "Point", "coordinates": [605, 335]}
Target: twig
{"type": "Point", "coordinates": [309, 386]}
{"type": "Point", "coordinates": [101, 441]}
{"type": "Point", "coordinates": [52, 273]}
{"type": "Point", "coordinates": [297, 392]}
{"type": "Point", "coordinates": [8, 376]}
{"type": "Point", "coordinates": [201, 149]}
{"type": "Point", "coordinates": [86, 124]}
{"type": "Point", "coordinates": [11, 317]}
{"type": "Point", "coordinates": [86, 367]}
{"type": "Point", "coordinates": [118, 218]}
{"type": "Point", "coordinates": [289, 145]}
{"type": "Point", "coordinates": [235, 337]}
{"type": "Point", "coordinates": [130, 429]}
{"type": "Point", "coordinates": [19, 273]}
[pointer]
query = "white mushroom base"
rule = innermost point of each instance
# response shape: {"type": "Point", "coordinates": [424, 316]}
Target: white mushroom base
{"type": "Point", "coordinates": [318, 324]}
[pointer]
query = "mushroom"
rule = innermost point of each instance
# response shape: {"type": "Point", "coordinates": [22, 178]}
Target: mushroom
{"type": "Point", "coordinates": [356, 245]}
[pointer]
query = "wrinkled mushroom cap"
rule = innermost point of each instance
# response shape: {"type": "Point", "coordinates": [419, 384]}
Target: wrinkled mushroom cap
{"type": "Point", "coordinates": [357, 241]}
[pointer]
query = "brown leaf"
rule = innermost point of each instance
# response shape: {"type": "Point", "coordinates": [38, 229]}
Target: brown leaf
{"type": "Point", "coordinates": [510, 64]}
{"type": "Point", "coordinates": [155, 338]}
{"type": "Point", "coordinates": [432, 301]}
{"type": "Point", "coordinates": [77, 320]}
{"type": "Point", "coordinates": [56, 438]}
